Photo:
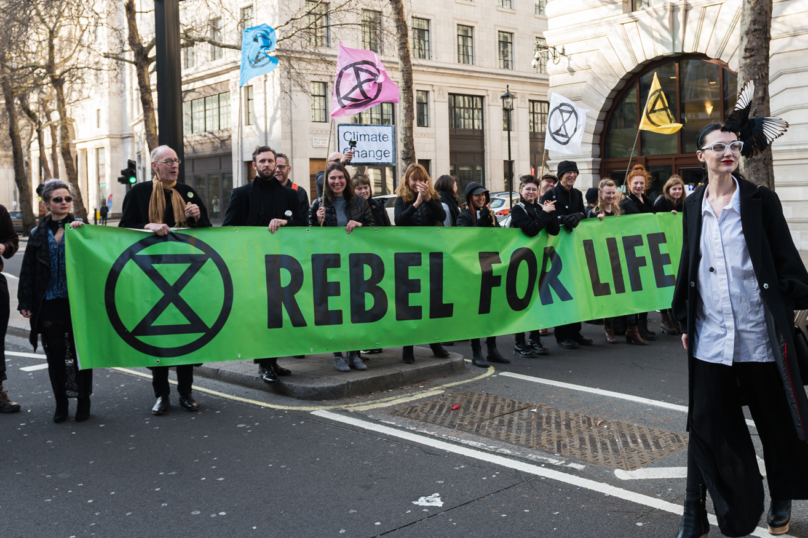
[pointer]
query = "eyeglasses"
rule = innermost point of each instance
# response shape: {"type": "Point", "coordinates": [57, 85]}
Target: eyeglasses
{"type": "Point", "coordinates": [59, 199]}
{"type": "Point", "coordinates": [282, 166]}
{"type": "Point", "coordinates": [719, 147]}
{"type": "Point", "coordinates": [169, 162]}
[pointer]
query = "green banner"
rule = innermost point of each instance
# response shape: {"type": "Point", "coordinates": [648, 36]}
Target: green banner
{"type": "Point", "coordinates": [222, 294]}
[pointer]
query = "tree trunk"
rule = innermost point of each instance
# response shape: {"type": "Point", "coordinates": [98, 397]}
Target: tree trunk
{"type": "Point", "coordinates": [20, 177]}
{"type": "Point", "coordinates": [142, 62]}
{"type": "Point", "coordinates": [54, 145]}
{"type": "Point", "coordinates": [756, 35]}
{"type": "Point", "coordinates": [79, 210]}
{"type": "Point", "coordinates": [407, 101]}
{"type": "Point", "coordinates": [45, 172]}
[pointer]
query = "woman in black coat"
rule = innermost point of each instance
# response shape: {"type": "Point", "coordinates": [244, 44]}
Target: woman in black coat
{"type": "Point", "coordinates": [362, 187]}
{"type": "Point", "coordinates": [754, 312]}
{"type": "Point", "coordinates": [42, 296]}
{"type": "Point", "coordinates": [672, 200]}
{"type": "Point", "coordinates": [418, 204]}
{"type": "Point", "coordinates": [447, 189]}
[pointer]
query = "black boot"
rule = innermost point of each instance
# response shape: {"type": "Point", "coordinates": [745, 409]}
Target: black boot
{"type": "Point", "coordinates": [267, 374]}
{"type": "Point", "coordinates": [438, 351]}
{"type": "Point", "coordinates": [779, 517]}
{"type": "Point", "coordinates": [535, 342]}
{"type": "Point", "coordinates": [83, 409]}
{"type": "Point", "coordinates": [694, 522]}
{"type": "Point", "coordinates": [521, 348]}
{"type": "Point", "coordinates": [407, 354]}
{"type": "Point", "coordinates": [645, 332]}
{"type": "Point", "coordinates": [279, 370]}
{"type": "Point", "coordinates": [493, 353]}
{"type": "Point", "coordinates": [61, 409]}
{"type": "Point", "coordinates": [477, 354]}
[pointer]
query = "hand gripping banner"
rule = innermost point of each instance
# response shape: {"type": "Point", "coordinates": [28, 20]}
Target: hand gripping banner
{"type": "Point", "coordinates": [221, 294]}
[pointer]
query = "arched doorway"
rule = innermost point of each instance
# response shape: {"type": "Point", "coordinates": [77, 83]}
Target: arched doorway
{"type": "Point", "coordinates": [699, 91]}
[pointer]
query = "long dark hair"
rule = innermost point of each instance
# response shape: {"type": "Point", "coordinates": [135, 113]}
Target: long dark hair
{"type": "Point", "coordinates": [711, 128]}
{"type": "Point", "coordinates": [348, 193]}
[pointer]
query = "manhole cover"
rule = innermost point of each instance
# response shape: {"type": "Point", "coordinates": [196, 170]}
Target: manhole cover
{"type": "Point", "coordinates": [609, 443]}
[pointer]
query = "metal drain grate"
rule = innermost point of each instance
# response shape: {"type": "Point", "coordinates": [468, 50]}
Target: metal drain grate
{"type": "Point", "coordinates": [608, 443]}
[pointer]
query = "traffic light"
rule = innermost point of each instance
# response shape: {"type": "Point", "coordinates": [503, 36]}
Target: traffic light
{"type": "Point", "coordinates": [129, 174]}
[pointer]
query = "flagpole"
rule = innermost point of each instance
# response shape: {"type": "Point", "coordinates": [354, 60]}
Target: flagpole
{"type": "Point", "coordinates": [327, 153]}
{"type": "Point", "coordinates": [631, 156]}
{"type": "Point", "coordinates": [541, 172]}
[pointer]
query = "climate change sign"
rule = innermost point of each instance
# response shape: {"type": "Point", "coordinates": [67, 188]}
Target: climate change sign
{"type": "Point", "coordinates": [222, 294]}
{"type": "Point", "coordinates": [375, 144]}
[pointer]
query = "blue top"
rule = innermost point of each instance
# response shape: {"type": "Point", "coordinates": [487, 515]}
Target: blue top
{"type": "Point", "coordinates": [57, 289]}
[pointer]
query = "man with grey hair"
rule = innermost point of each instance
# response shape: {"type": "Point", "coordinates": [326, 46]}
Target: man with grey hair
{"type": "Point", "coordinates": [334, 158]}
{"type": "Point", "coordinates": [160, 205]}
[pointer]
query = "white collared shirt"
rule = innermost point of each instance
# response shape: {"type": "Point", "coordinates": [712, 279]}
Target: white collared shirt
{"type": "Point", "coordinates": [730, 320]}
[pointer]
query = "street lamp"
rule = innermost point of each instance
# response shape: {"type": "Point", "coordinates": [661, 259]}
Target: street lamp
{"type": "Point", "coordinates": [507, 109]}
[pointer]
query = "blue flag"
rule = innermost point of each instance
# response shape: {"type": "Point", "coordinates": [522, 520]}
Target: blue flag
{"type": "Point", "coordinates": [256, 42]}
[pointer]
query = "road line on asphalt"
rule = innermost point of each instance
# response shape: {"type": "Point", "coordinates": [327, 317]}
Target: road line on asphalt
{"type": "Point", "coordinates": [34, 368]}
{"type": "Point", "coordinates": [26, 355]}
{"type": "Point", "coordinates": [521, 466]}
{"type": "Point", "coordinates": [601, 392]}
{"type": "Point", "coordinates": [384, 402]}
{"type": "Point", "coordinates": [652, 473]}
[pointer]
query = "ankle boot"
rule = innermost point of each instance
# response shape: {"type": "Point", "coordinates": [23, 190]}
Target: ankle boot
{"type": "Point", "coordinates": [6, 405]}
{"type": "Point", "coordinates": [493, 353]}
{"type": "Point", "coordinates": [633, 336]}
{"type": "Point", "coordinates": [642, 325]}
{"type": "Point", "coordinates": [438, 351]}
{"type": "Point", "coordinates": [477, 354]}
{"type": "Point", "coordinates": [407, 354]}
{"type": "Point", "coordinates": [666, 326]}
{"type": "Point", "coordinates": [694, 522]}
{"type": "Point", "coordinates": [83, 409]}
{"type": "Point", "coordinates": [608, 330]}
{"type": "Point", "coordinates": [61, 409]}
{"type": "Point", "coordinates": [779, 517]}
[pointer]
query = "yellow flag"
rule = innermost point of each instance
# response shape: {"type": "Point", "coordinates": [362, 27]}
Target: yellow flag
{"type": "Point", "coordinates": [657, 116]}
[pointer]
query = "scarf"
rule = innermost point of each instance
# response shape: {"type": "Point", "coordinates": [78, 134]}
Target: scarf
{"type": "Point", "coordinates": [157, 204]}
{"type": "Point", "coordinates": [450, 200]}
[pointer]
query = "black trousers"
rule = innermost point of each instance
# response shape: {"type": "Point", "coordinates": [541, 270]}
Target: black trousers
{"type": "Point", "coordinates": [567, 332]}
{"type": "Point", "coordinates": [56, 328]}
{"type": "Point", "coordinates": [185, 380]}
{"type": "Point", "coordinates": [4, 315]}
{"type": "Point", "coordinates": [721, 445]}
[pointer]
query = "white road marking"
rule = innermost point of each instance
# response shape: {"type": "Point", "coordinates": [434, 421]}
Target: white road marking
{"type": "Point", "coordinates": [9, 275]}
{"type": "Point", "coordinates": [524, 467]}
{"type": "Point", "coordinates": [34, 368]}
{"type": "Point", "coordinates": [27, 355]}
{"type": "Point", "coordinates": [601, 392]}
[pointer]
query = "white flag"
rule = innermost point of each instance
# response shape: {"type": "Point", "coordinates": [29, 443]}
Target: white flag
{"type": "Point", "coordinates": [565, 126]}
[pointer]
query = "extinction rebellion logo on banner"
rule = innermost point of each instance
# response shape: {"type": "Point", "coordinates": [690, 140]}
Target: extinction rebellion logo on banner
{"type": "Point", "coordinates": [196, 288]}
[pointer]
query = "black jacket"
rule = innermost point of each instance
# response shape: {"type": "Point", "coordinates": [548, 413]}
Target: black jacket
{"type": "Point", "coordinates": [486, 219]}
{"type": "Point", "coordinates": [450, 200]}
{"type": "Point", "coordinates": [780, 273]}
{"type": "Point", "coordinates": [531, 219]}
{"type": "Point", "coordinates": [592, 213]}
{"type": "Point", "coordinates": [631, 205]}
{"type": "Point", "coordinates": [663, 205]}
{"type": "Point", "coordinates": [377, 209]}
{"type": "Point", "coordinates": [238, 210]}
{"type": "Point", "coordinates": [135, 213]}
{"type": "Point", "coordinates": [569, 203]}
{"type": "Point", "coordinates": [356, 209]}
{"type": "Point", "coordinates": [430, 213]}
{"type": "Point", "coordinates": [302, 196]}
{"type": "Point", "coordinates": [35, 274]}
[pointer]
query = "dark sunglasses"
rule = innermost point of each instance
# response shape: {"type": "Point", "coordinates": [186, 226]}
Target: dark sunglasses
{"type": "Point", "coordinates": [59, 199]}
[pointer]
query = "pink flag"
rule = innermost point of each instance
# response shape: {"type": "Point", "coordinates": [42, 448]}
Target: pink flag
{"type": "Point", "coordinates": [361, 82]}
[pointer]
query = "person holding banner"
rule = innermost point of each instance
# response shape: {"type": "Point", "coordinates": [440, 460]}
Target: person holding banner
{"type": "Point", "coordinates": [160, 205]}
{"type": "Point", "coordinates": [283, 166]}
{"type": "Point", "coordinates": [265, 202]}
{"type": "Point", "coordinates": [532, 218]}
{"type": "Point", "coordinates": [740, 279]}
{"type": "Point", "coordinates": [43, 298]}
{"type": "Point", "coordinates": [570, 207]}
{"type": "Point", "coordinates": [417, 204]}
{"type": "Point", "coordinates": [672, 200]}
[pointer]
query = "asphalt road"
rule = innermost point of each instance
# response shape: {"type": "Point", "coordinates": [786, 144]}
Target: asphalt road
{"type": "Point", "coordinates": [251, 463]}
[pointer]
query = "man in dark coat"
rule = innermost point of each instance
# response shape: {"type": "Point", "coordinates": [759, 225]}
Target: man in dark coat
{"type": "Point", "coordinates": [265, 202]}
{"type": "Point", "coordinates": [570, 209]}
{"type": "Point", "coordinates": [9, 243]}
{"type": "Point", "coordinates": [282, 168]}
{"type": "Point", "coordinates": [158, 206]}
{"type": "Point", "coordinates": [104, 213]}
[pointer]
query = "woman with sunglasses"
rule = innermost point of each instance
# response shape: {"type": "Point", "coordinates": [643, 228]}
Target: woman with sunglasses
{"type": "Point", "coordinates": [43, 299]}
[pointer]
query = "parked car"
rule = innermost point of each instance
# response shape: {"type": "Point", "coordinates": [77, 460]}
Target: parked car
{"type": "Point", "coordinates": [500, 204]}
{"type": "Point", "coordinates": [16, 219]}
{"type": "Point", "coordinates": [389, 206]}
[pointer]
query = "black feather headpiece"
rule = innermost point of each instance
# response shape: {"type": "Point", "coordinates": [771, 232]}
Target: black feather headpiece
{"type": "Point", "coordinates": [755, 133]}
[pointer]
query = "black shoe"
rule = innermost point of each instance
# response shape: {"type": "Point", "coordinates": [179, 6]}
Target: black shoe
{"type": "Point", "coordinates": [61, 410]}
{"type": "Point", "coordinates": [477, 355]}
{"type": "Point", "coordinates": [523, 350]}
{"type": "Point", "coordinates": [448, 343]}
{"type": "Point", "coordinates": [280, 370]}
{"type": "Point", "coordinates": [161, 406]}
{"type": "Point", "coordinates": [779, 517]}
{"type": "Point", "coordinates": [495, 356]}
{"type": "Point", "coordinates": [298, 356]}
{"type": "Point", "coordinates": [538, 347]}
{"type": "Point", "coordinates": [188, 403]}
{"type": "Point", "coordinates": [6, 405]}
{"type": "Point", "coordinates": [582, 340]}
{"type": "Point", "coordinates": [83, 409]}
{"type": "Point", "coordinates": [407, 355]}
{"type": "Point", "coordinates": [438, 351]}
{"type": "Point", "coordinates": [569, 344]}
{"type": "Point", "coordinates": [267, 374]}
{"type": "Point", "coordinates": [694, 522]}
{"type": "Point", "coordinates": [645, 332]}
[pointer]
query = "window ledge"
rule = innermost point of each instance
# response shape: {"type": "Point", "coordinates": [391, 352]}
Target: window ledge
{"type": "Point", "coordinates": [466, 2]}
{"type": "Point", "coordinates": [506, 10]}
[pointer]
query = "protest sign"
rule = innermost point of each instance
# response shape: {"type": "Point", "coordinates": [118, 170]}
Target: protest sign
{"type": "Point", "coordinates": [375, 144]}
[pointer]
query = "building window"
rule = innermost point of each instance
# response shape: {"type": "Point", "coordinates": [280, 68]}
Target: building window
{"type": "Point", "coordinates": [637, 5]}
{"type": "Point", "coordinates": [249, 94]}
{"type": "Point", "coordinates": [420, 38]}
{"type": "Point", "coordinates": [372, 30]}
{"type": "Point", "coordinates": [190, 57]}
{"type": "Point", "coordinates": [507, 4]}
{"type": "Point", "coordinates": [540, 6]}
{"type": "Point", "coordinates": [98, 118]}
{"type": "Point", "coordinates": [216, 34]}
{"type": "Point", "coordinates": [317, 23]}
{"type": "Point", "coordinates": [381, 114]}
{"type": "Point", "coordinates": [505, 50]}
{"type": "Point", "coordinates": [541, 59]}
{"type": "Point", "coordinates": [246, 20]}
{"type": "Point", "coordinates": [465, 44]}
{"type": "Point", "coordinates": [465, 112]}
{"type": "Point", "coordinates": [537, 113]}
{"type": "Point", "coordinates": [422, 108]}
{"type": "Point", "coordinates": [319, 108]}
{"type": "Point", "coordinates": [206, 114]}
